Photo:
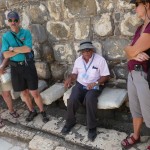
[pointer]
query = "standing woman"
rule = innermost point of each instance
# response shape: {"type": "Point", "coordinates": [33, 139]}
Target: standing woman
{"type": "Point", "coordinates": [138, 54]}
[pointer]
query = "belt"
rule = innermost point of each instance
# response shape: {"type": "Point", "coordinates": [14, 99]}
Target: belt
{"type": "Point", "coordinates": [138, 67]}
{"type": "Point", "coordinates": [20, 63]}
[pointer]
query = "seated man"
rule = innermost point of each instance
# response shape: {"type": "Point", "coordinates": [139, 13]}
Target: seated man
{"type": "Point", "coordinates": [90, 72]}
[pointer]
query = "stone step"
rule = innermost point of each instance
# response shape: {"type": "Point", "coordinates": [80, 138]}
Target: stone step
{"type": "Point", "coordinates": [20, 133]}
{"type": "Point", "coordinates": [106, 138]}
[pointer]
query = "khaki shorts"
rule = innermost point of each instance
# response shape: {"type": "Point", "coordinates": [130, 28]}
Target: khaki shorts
{"type": "Point", "coordinates": [5, 87]}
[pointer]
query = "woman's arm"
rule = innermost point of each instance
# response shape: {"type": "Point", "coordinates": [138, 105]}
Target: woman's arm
{"type": "Point", "coordinates": [141, 45]}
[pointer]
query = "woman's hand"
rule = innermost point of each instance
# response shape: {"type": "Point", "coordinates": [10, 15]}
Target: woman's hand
{"type": "Point", "coordinates": [141, 57]}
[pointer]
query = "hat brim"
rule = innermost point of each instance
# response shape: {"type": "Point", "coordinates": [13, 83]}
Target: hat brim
{"type": "Point", "coordinates": [133, 1]}
{"type": "Point", "coordinates": [87, 46]}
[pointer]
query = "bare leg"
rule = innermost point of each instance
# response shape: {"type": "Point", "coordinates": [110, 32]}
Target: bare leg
{"type": "Point", "coordinates": [7, 98]}
{"type": "Point", "coordinates": [27, 98]}
{"type": "Point", "coordinates": [137, 123]}
{"type": "Point", "coordinates": [37, 98]}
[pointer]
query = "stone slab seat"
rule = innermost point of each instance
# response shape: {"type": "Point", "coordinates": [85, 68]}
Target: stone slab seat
{"type": "Point", "coordinates": [53, 93]}
{"type": "Point", "coordinates": [110, 98]}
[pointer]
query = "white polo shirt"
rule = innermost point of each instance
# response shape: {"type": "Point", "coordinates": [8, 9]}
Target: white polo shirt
{"type": "Point", "coordinates": [92, 71]}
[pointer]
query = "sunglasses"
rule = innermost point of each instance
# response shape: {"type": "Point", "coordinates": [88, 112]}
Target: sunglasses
{"type": "Point", "coordinates": [15, 20]}
{"type": "Point", "coordinates": [86, 50]}
{"type": "Point", "coordinates": [137, 4]}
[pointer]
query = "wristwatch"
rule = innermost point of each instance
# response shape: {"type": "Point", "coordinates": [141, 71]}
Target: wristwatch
{"type": "Point", "coordinates": [97, 83]}
{"type": "Point", "coordinates": [11, 49]}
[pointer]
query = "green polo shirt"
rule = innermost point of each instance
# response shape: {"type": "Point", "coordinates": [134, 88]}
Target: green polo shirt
{"type": "Point", "coordinates": [8, 40]}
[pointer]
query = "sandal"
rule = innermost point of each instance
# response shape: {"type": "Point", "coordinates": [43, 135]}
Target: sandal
{"type": "Point", "coordinates": [14, 114]}
{"type": "Point", "coordinates": [128, 145]}
{"type": "Point", "coordinates": [148, 148]}
{"type": "Point", "coordinates": [2, 124]}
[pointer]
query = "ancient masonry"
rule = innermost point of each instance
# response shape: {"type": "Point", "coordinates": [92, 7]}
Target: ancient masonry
{"type": "Point", "coordinates": [58, 26]}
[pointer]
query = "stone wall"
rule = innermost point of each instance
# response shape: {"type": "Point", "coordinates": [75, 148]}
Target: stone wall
{"type": "Point", "coordinates": [58, 26]}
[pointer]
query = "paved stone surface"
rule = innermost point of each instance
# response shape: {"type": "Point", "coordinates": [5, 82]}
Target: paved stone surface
{"type": "Point", "coordinates": [12, 144]}
{"type": "Point", "coordinates": [42, 143]}
{"type": "Point", "coordinates": [61, 148]}
{"type": "Point", "coordinates": [106, 139]}
{"type": "Point", "coordinates": [54, 126]}
{"type": "Point", "coordinates": [18, 133]}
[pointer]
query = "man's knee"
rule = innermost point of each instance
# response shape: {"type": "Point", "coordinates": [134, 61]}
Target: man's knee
{"type": "Point", "coordinates": [35, 94]}
{"type": "Point", "coordinates": [91, 98]}
{"type": "Point", "coordinates": [6, 94]}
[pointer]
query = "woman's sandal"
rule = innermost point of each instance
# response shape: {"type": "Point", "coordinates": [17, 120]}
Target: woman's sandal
{"type": "Point", "coordinates": [148, 148]}
{"type": "Point", "coordinates": [2, 124]}
{"type": "Point", "coordinates": [128, 145]}
{"type": "Point", "coordinates": [14, 114]}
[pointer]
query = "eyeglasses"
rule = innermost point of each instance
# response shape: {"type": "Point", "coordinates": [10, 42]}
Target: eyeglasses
{"type": "Point", "coordinates": [137, 4]}
{"type": "Point", "coordinates": [11, 20]}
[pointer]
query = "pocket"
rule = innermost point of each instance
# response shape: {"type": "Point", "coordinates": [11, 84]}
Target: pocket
{"type": "Point", "coordinates": [93, 72]}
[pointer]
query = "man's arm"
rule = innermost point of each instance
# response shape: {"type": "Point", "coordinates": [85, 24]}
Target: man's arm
{"type": "Point", "coordinates": [16, 50]}
{"type": "Point", "coordinates": [141, 45]}
{"type": "Point", "coordinates": [69, 80]}
{"type": "Point", "coordinates": [3, 65]}
{"type": "Point", "coordinates": [8, 54]}
{"type": "Point", "coordinates": [101, 81]}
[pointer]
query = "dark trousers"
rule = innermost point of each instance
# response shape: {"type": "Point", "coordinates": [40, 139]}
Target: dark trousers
{"type": "Point", "coordinates": [89, 98]}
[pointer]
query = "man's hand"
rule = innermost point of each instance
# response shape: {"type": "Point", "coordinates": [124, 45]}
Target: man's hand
{"type": "Point", "coordinates": [2, 70]}
{"type": "Point", "coordinates": [67, 83]}
{"type": "Point", "coordinates": [141, 57]}
{"type": "Point", "coordinates": [91, 86]}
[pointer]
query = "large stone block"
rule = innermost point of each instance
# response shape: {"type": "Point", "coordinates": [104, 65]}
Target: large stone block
{"type": "Point", "coordinates": [38, 33]}
{"type": "Point", "coordinates": [122, 4]}
{"type": "Point", "coordinates": [42, 70]}
{"type": "Point", "coordinates": [2, 4]}
{"type": "Point", "coordinates": [102, 26]}
{"type": "Point", "coordinates": [37, 14]}
{"type": "Point", "coordinates": [58, 71]}
{"type": "Point", "coordinates": [58, 30]}
{"type": "Point", "coordinates": [53, 93]}
{"type": "Point", "coordinates": [55, 9]}
{"type": "Point", "coordinates": [110, 98]}
{"type": "Point", "coordinates": [63, 53]}
{"type": "Point", "coordinates": [82, 28]}
{"type": "Point", "coordinates": [114, 49]}
{"type": "Point", "coordinates": [47, 53]}
{"type": "Point", "coordinates": [103, 6]}
{"type": "Point", "coordinates": [81, 7]}
{"type": "Point", "coordinates": [129, 24]}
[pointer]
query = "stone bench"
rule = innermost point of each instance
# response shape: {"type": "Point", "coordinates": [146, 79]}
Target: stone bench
{"type": "Point", "coordinates": [53, 93]}
{"type": "Point", "coordinates": [110, 98]}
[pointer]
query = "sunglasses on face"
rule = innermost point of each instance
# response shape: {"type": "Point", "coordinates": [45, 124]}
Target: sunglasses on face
{"type": "Point", "coordinates": [86, 50]}
{"type": "Point", "coordinates": [11, 20]}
